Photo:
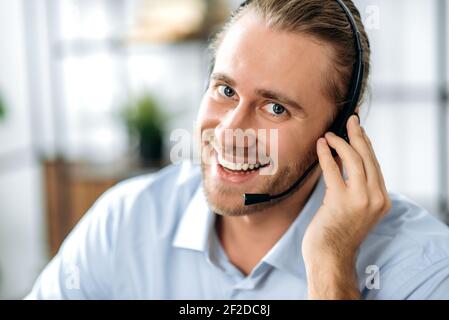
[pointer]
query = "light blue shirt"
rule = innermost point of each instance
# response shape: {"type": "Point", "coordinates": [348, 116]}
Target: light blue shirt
{"type": "Point", "coordinates": [152, 237]}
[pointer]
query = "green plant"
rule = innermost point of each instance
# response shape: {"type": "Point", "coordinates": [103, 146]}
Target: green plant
{"type": "Point", "coordinates": [145, 122]}
{"type": "Point", "coordinates": [2, 109]}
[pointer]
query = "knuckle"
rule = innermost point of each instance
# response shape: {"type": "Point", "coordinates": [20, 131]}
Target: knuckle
{"type": "Point", "coordinates": [388, 205]}
{"type": "Point", "coordinates": [362, 202]}
{"type": "Point", "coordinates": [380, 202]}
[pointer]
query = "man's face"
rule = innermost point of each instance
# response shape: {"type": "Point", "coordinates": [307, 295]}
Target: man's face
{"type": "Point", "coordinates": [262, 79]}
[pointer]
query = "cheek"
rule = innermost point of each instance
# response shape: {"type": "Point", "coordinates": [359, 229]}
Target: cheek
{"type": "Point", "coordinates": [208, 117]}
{"type": "Point", "coordinates": [288, 150]}
{"type": "Point", "coordinates": [202, 112]}
{"type": "Point", "coordinates": [293, 145]}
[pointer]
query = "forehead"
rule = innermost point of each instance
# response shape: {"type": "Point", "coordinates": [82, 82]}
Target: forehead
{"type": "Point", "coordinates": [253, 53]}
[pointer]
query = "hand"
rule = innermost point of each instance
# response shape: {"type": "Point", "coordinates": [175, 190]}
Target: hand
{"type": "Point", "coordinates": [350, 209]}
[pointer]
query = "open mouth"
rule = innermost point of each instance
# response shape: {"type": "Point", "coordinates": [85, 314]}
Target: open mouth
{"type": "Point", "coordinates": [242, 168]}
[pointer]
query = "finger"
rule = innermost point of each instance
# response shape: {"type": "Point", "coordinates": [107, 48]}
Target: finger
{"type": "Point", "coordinates": [339, 164]}
{"type": "Point", "coordinates": [331, 171]}
{"type": "Point", "coordinates": [351, 160]}
{"type": "Point", "coordinates": [383, 187]}
{"type": "Point", "coordinates": [376, 162]}
{"type": "Point", "coordinates": [358, 142]}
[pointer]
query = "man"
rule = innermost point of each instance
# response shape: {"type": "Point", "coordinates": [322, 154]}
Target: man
{"type": "Point", "coordinates": [184, 233]}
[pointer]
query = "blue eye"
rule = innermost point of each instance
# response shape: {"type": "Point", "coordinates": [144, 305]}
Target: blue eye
{"type": "Point", "coordinates": [275, 109]}
{"type": "Point", "coordinates": [278, 109]}
{"type": "Point", "coordinates": [226, 91]}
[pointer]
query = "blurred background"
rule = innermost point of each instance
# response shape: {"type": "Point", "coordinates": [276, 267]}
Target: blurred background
{"type": "Point", "coordinates": [91, 89]}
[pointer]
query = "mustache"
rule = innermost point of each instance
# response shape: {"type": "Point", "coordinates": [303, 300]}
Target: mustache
{"type": "Point", "coordinates": [242, 146]}
{"type": "Point", "coordinates": [237, 142]}
{"type": "Point", "coordinates": [231, 152]}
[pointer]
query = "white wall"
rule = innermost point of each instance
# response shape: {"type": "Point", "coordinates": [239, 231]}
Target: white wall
{"type": "Point", "coordinates": [22, 243]}
{"type": "Point", "coordinates": [402, 121]}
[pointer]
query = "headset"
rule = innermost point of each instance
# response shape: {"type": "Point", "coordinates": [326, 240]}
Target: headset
{"type": "Point", "coordinates": [339, 125]}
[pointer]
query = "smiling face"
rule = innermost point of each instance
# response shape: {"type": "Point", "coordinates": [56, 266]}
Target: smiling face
{"type": "Point", "coordinates": [263, 79]}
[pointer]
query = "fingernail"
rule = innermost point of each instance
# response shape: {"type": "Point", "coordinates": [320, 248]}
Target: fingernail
{"type": "Point", "coordinates": [356, 119]}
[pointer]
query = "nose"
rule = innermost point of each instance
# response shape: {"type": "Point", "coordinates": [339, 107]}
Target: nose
{"type": "Point", "coordinates": [235, 131]}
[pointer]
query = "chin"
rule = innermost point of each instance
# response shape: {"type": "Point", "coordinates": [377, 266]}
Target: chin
{"type": "Point", "coordinates": [221, 200]}
{"type": "Point", "coordinates": [228, 200]}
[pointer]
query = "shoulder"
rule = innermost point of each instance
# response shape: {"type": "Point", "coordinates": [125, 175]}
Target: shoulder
{"type": "Point", "coordinates": [165, 190]}
{"type": "Point", "coordinates": [132, 214]}
{"type": "Point", "coordinates": [410, 227]}
{"type": "Point", "coordinates": [144, 205]}
{"type": "Point", "coordinates": [408, 246]}
{"type": "Point", "coordinates": [172, 178]}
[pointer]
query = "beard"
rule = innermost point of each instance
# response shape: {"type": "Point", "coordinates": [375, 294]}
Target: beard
{"type": "Point", "coordinates": [217, 195]}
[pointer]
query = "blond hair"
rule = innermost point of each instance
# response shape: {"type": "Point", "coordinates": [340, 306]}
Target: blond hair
{"type": "Point", "coordinates": [323, 19]}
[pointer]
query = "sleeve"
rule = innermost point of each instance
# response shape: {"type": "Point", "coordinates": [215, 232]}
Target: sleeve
{"type": "Point", "coordinates": [82, 268]}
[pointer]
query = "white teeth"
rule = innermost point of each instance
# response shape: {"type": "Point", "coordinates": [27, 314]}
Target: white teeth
{"type": "Point", "coordinates": [232, 166]}
{"type": "Point", "coordinates": [264, 161]}
{"type": "Point", "coordinates": [239, 166]}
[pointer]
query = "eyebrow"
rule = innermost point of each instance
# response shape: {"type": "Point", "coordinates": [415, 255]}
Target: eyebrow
{"type": "Point", "coordinates": [272, 95]}
{"type": "Point", "coordinates": [265, 93]}
{"type": "Point", "coordinates": [223, 78]}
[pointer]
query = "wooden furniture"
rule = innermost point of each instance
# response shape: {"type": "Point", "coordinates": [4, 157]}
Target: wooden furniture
{"type": "Point", "coordinates": [72, 188]}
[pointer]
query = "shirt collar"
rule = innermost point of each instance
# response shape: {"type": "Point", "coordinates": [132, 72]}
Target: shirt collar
{"type": "Point", "coordinates": [286, 254]}
{"type": "Point", "coordinates": [195, 225]}
{"type": "Point", "coordinates": [193, 231]}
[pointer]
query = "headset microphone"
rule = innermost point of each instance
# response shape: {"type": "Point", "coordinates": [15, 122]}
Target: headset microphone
{"type": "Point", "coordinates": [339, 125]}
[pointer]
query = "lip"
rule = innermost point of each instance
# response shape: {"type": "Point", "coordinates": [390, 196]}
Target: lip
{"type": "Point", "coordinates": [233, 177]}
{"type": "Point", "coordinates": [236, 158]}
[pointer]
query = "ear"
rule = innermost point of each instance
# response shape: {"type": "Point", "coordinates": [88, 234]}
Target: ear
{"type": "Point", "coordinates": [357, 110]}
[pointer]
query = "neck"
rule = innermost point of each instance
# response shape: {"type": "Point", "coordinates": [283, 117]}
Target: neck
{"type": "Point", "coordinates": [247, 239]}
